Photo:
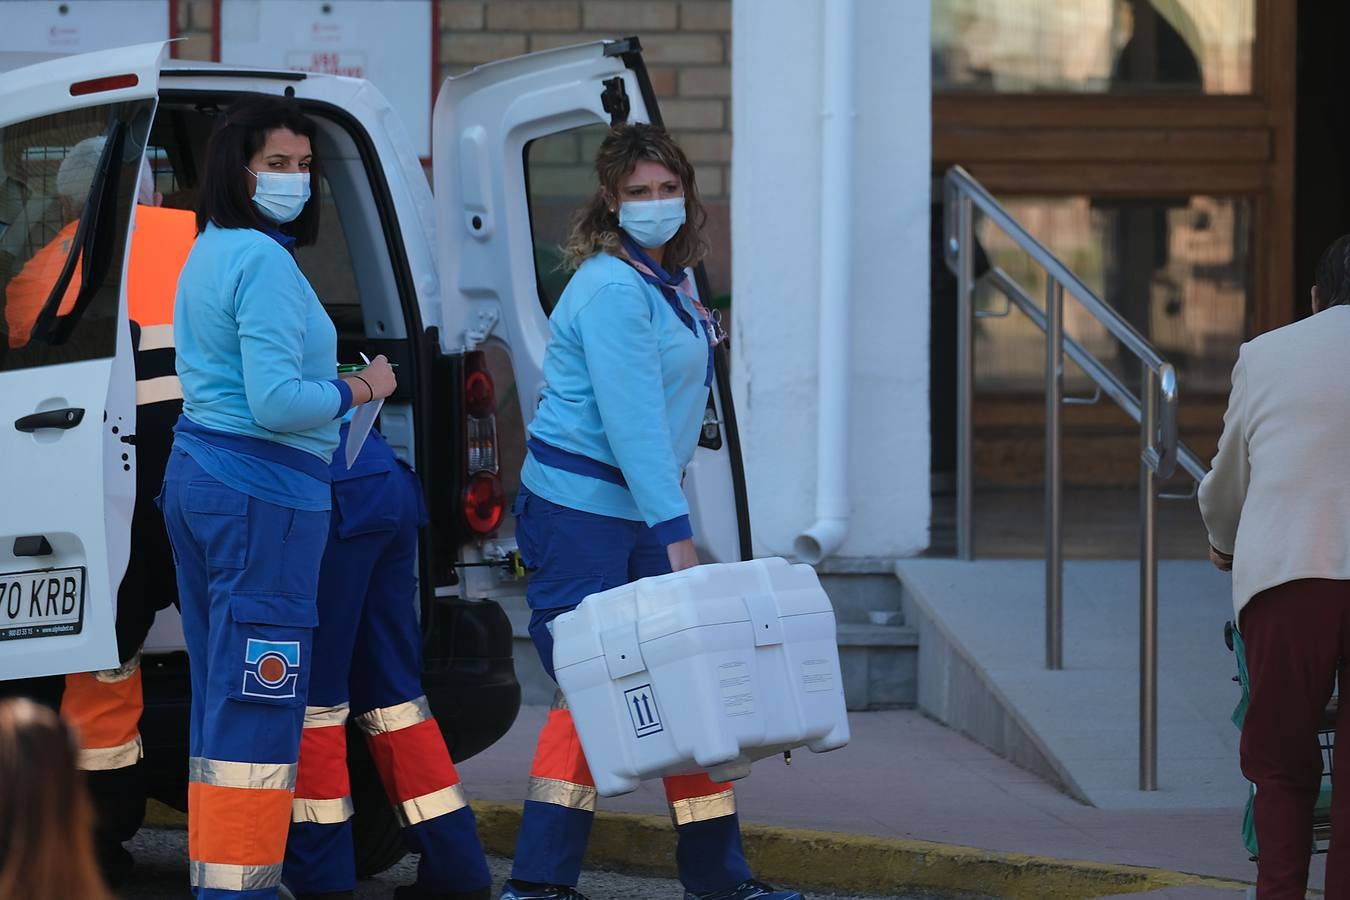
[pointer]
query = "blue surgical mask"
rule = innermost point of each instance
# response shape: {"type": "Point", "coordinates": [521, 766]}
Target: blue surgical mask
{"type": "Point", "coordinates": [280, 195]}
{"type": "Point", "coordinates": [652, 222]}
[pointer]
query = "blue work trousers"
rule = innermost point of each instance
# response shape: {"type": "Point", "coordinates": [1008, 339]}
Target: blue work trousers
{"type": "Point", "coordinates": [574, 554]}
{"type": "Point", "coordinates": [247, 577]}
{"type": "Point", "coordinates": [368, 666]}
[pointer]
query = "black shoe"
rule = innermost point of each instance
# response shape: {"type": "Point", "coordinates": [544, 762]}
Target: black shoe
{"type": "Point", "coordinates": [516, 891]}
{"type": "Point", "coordinates": [115, 862]}
{"type": "Point", "coordinates": [415, 892]}
{"type": "Point", "coordinates": [749, 890]}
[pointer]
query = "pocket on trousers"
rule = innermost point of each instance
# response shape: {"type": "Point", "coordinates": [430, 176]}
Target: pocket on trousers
{"type": "Point", "coordinates": [561, 592]}
{"type": "Point", "coordinates": [362, 505]}
{"type": "Point", "coordinates": [272, 632]}
{"type": "Point", "coordinates": [219, 521]}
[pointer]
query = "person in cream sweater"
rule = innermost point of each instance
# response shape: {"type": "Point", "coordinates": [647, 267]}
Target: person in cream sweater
{"type": "Point", "coordinates": [1276, 505]}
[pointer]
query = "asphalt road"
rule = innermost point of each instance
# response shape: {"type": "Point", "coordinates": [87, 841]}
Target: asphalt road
{"type": "Point", "coordinates": [161, 874]}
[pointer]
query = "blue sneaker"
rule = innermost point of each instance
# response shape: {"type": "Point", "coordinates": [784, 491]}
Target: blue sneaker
{"type": "Point", "coordinates": [748, 890]}
{"type": "Point", "coordinates": [513, 891]}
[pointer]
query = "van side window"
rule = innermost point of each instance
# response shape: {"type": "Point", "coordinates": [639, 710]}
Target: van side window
{"type": "Point", "coordinates": [559, 177]}
{"type": "Point", "coordinates": [49, 168]}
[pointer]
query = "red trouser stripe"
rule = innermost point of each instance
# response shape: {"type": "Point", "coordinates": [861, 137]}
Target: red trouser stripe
{"type": "Point", "coordinates": [690, 787]}
{"type": "Point", "coordinates": [322, 774]}
{"type": "Point", "coordinates": [559, 754]}
{"type": "Point", "coordinates": [413, 761]}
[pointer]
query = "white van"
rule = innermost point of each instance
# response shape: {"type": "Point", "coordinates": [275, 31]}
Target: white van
{"type": "Point", "coordinates": [454, 287]}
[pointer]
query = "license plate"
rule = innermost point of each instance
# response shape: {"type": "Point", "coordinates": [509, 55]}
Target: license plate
{"type": "Point", "coordinates": [41, 603]}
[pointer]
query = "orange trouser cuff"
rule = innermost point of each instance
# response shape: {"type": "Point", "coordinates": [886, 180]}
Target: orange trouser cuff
{"type": "Point", "coordinates": [104, 713]}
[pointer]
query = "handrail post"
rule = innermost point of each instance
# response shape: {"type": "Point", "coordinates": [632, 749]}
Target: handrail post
{"type": "Point", "coordinates": [1054, 483]}
{"type": "Point", "coordinates": [1148, 587]}
{"type": "Point", "coordinates": [965, 377]}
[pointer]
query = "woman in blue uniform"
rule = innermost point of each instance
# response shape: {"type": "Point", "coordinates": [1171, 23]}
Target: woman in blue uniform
{"type": "Point", "coordinates": [246, 491]}
{"type": "Point", "coordinates": [627, 372]}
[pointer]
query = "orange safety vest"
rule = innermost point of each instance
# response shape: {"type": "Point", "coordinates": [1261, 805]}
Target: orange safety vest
{"type": "Point", "coordinates": [28, 290]}
{"type": "Point", "coordinates": [159, 247]}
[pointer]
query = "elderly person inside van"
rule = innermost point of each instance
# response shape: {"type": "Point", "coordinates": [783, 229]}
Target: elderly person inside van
{"type": "Point", "coordinates": [1277, 507]}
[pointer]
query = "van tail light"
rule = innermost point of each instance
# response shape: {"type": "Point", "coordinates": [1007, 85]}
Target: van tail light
{"type": "Point", "coordinates": [480, 398]}
{"type": "Point", "coordinates": [484, 500]}
{"type": "Point", "coordinates": [484, 503]}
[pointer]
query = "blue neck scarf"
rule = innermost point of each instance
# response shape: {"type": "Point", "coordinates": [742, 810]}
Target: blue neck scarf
{"type": "Point", "coordinates": [668, 284]}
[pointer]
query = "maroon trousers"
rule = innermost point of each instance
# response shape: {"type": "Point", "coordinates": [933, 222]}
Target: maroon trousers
{"type": "Point", "coordinates": [1298, 644]}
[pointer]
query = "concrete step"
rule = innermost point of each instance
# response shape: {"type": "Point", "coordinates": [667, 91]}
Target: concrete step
{"type": "Point", "coordinates": [880, 665]}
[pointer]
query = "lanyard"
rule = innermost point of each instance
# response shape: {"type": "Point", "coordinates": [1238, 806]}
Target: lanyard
{"type": "Point", "coordinates": [671, 286]}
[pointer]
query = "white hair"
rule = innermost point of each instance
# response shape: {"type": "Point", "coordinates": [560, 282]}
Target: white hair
{"type": "Point", "coordinates": [75, 175]}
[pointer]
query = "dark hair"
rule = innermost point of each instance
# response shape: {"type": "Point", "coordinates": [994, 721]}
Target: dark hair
{"type": "Point", "coordinates": [1333, 274]}
{"type": "Point", "coordinates": [46, 837]}
{"type": "Point", "coordinates": [595, 228]}
{"type": "Point", "coordinates": [239, 134]}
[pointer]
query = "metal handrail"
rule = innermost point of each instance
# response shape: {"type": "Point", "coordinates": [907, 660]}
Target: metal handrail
{"type": "Point", "coordinates": [1155, 409]}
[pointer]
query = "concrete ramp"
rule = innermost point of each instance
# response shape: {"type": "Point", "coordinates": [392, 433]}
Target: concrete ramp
{"type": "Point", "coordinates": [982, 671]}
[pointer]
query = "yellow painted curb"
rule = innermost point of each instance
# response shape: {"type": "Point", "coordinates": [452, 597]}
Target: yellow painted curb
{"type": "Point", "coordinates": [160, 815]}
{"type": "Point", "coordinates": [854, 863]}
{"type": "Point", "coordinates": [831, 861]}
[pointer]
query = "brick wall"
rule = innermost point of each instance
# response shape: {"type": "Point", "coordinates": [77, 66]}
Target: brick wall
{"type": "Point", "coordinates": [687, 45]}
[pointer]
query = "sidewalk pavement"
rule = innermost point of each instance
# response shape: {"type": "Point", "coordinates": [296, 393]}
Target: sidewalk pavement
{"type": "Point", "coordinates": [906, 777]}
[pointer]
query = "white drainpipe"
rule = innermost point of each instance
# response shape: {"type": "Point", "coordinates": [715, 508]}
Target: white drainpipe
{"type": "Point", "coordinates": [836, 288]}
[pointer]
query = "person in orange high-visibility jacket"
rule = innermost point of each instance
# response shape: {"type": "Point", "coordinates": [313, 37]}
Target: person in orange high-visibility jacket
{"type": "Point", "coordinates": [105, 707]}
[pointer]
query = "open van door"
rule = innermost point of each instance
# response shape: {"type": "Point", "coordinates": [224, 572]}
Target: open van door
{"type": "Point", "coordinates": [72, 134]}
{"type": "Point", "coordinates": [513, 144]}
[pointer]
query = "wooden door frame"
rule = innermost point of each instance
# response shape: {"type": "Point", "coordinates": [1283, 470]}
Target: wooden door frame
{"type": "Point", "coordinates": [1149, 145]}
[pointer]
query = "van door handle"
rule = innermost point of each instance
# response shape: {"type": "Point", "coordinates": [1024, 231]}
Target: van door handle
{"type": "Point", "coordinates": [52, 418]}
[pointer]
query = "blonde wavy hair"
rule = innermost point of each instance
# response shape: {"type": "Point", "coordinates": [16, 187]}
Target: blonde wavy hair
{"type": "Point", "coordinates": [595, 228]}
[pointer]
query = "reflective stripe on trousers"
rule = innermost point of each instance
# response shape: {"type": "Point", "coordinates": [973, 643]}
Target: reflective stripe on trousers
{"type": "Point", "coordinates": [244, 803]}
{"type": "Point", "coordinates": [323, 792]}
{"type": "Point", "coordinates": [560, 776]}
{"type": "Point", "coordinates": [105, 710]}
{"type": "Point", "coordinates": [410, 756]}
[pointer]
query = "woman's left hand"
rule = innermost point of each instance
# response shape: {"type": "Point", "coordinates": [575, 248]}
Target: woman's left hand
{"type": "Point", "coordinates": [1222, 561]}
{"type": "Point", "coordinates": [682, 555]}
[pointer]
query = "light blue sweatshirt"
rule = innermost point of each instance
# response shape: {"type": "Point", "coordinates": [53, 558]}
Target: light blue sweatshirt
{"type": "Point", "coordinates": [257, 358]}
{"type": "Point", "coordinates": [624, 389]}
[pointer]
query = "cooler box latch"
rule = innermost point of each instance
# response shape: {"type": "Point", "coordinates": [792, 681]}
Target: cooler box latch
{"type": "Point", "coordinates": [623, 656]}
{"type": "Point", "coordinates": [764, 617]}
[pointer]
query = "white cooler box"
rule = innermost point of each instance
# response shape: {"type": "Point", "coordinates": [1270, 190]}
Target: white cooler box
{"type": "Point", "coordinates": [707, 670]}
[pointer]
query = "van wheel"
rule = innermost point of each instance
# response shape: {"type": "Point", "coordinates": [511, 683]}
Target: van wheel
{"type": "Point", "coordinates": [376, 836]}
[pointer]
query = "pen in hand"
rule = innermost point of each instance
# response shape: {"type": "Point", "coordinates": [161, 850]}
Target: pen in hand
{"type": "Point", "coordinates": [377, 375]}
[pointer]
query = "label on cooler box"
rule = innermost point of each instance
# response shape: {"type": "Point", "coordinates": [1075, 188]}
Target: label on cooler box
{"type": "Point", "coordinates": [817, 676]}
{"type": "Point", "coordinates": [738, 693]}
{"type": "Point", "coordinates": [642, 710]}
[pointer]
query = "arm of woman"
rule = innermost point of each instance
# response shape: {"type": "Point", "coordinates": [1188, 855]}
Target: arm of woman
{"type": "Point", "coordinates": [1224, 489]}
{"type": "Point", "coordinates": [270, 309]}
{"type": "Point", "coordinates": [619, 340]}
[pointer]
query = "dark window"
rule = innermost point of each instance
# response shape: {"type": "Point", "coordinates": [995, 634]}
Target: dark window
{"type": "Point", "coordinates": [560, 176]}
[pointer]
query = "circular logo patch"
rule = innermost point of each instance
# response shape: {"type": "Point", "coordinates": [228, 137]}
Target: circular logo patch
{"type": "Point", "coordinates": [271, 668]}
